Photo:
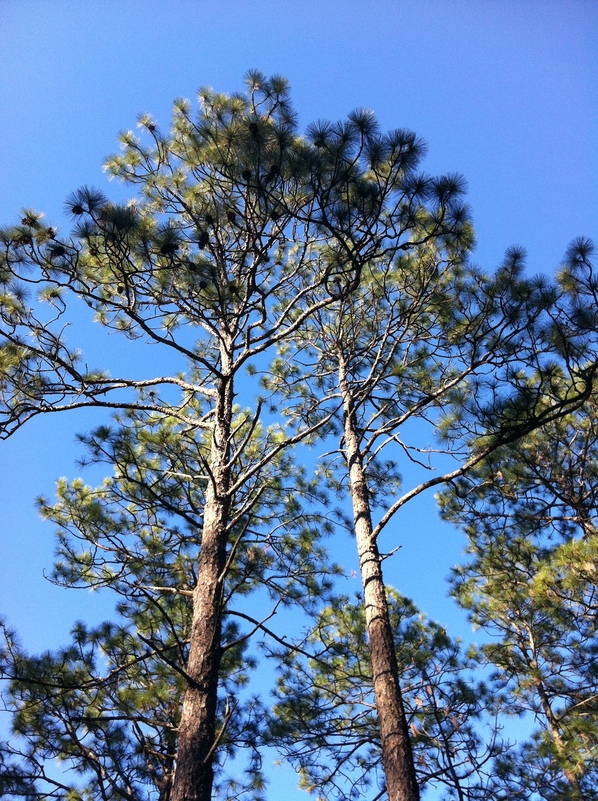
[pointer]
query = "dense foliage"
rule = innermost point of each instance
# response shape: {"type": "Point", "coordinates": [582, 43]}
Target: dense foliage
{"type": "Point", "coordinates": [299, 291]}
{"type": "Point", "coordinates": [531, 582]}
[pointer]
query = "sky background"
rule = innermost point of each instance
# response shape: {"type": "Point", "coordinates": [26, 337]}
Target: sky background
{"type": "Point", "coordinates": [504, 92]}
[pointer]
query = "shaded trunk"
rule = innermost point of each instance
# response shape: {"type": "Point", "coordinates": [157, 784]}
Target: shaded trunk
{"type": "Point", "coordinates": [193, 777]}
{"type": "Point", "coordinates": [397, 754]}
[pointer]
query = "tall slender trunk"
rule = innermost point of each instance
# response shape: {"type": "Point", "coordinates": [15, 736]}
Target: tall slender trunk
{"type": "Point", "coordinates": [397, 754]}
{"type": "Point", "coordinates": [193, 777]}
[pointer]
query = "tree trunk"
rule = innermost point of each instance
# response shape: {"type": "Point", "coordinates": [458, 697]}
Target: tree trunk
{"type": "Point", "coordinates": [397, 754]}
{"type": "Point", "coordinates": [193, 776]}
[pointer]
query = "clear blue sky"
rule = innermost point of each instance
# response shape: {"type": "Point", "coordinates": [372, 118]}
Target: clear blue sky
{"type": "Point", "coordinates": [504, 91]}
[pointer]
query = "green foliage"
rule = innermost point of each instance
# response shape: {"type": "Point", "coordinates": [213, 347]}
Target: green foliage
{"type": "Point", "coordinates": [530, 581]}
{"type": "Point", "coordinates": [206, 265]}
{"type": "Point", "coordinates": [108, 706]}
{"type": "Point", "coordinates": [326, 723]}
{"type": "Point", "coordinates": [330, 265]}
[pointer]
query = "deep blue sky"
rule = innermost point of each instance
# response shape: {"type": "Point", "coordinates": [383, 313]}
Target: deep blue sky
{"type": "Point", "coordinates": [505, 92]}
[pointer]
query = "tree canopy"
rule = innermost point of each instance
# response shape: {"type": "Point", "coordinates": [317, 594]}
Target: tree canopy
{"type": "Point", "coordinates": [298, 291]}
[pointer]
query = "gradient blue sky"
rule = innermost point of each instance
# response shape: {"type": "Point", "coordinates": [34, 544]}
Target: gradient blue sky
{"type": "Point", "coordinates": [504, 91]}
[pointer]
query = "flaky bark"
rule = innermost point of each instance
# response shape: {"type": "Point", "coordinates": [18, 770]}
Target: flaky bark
{"type": "Point", "coordinates": [194, 773]}
{"type": "Point", "coordinates": [397, 754]}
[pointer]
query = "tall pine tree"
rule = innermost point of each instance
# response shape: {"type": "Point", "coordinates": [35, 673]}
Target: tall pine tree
{"type": "Point", "coordinates": [429, 349]}
{"type": "Point", "coordinates": [245, 239]}
{"type": "Point", "coordinates": [213, 263]}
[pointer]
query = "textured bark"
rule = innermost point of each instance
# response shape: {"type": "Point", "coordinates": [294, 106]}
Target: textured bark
{"type": "Point", "coordinates": [397, 754]}
{"type": "Point", "coordinates": [193, 777]}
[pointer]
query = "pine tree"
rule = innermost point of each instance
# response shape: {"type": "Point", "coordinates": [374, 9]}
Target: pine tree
{"type": "Point", "coordinates": [108, 706]}
{"type": "Point", "coordinates": [530, 582]}
{"type": "Point", "coordinates": [428, 346]}
{"type": "Point", "coordinates": [213, 263]}
{"type": "Point", "coordinates": [325, 716]}
{"type": "Point", "coordinates": [245, 238]}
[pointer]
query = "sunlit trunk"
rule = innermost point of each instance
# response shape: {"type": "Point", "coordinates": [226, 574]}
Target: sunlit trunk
{"type": "Point", "coordinates": [397, 754]}
{"type": "Point", "coordinates": [193, 777]}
